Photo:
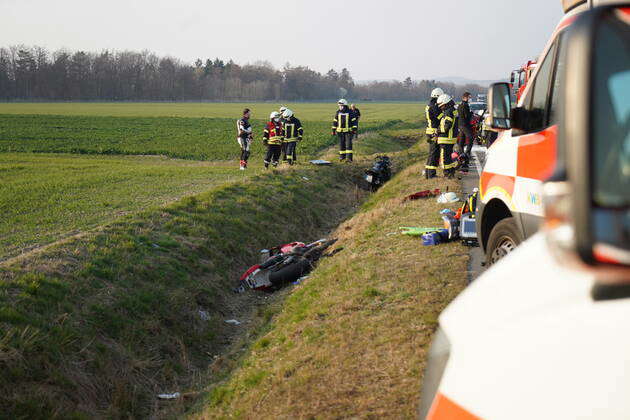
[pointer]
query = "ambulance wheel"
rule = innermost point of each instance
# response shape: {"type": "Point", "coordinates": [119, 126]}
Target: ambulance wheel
{"type": "Point", "coordinates": [504, 239]}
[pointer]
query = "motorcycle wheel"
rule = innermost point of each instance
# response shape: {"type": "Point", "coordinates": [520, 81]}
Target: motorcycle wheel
{"type": "Point", "coordinates": [290, 273]}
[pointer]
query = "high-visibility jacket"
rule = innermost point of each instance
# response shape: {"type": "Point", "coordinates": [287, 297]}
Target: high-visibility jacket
{"type": "Point", "coordinates": [273, 133]}
{"type": "Point", "coordinates": [345, 121]}
{"type": "Point", "coordinates": [293, 130]}
{"type": "Point", "coordinates": [448, 131]}
{"type": "Point", "coordinates": [432, 113]}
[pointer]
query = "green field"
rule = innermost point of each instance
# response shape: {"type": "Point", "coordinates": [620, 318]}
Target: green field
{"type": "Point", "coordinates": [185, 138]}
{"type": "Point", "coordinates": [304, 111]}
{"type": "Point", "coordinates": [68, 167]}
{"type": "Point", "coordinates": [44, 196]}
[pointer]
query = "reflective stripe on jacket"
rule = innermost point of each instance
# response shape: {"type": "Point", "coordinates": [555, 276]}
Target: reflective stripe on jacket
{"type": "Point", "coordinates": [432, 114]}
{"type": "Point", "coordinates": [293, 130]}
{"type": "Point", "coordinates": [448, 131]}
{"type": "Point", "coordinates": [273, 133]}
{"type": "Point", "coordinates": [344, 121]}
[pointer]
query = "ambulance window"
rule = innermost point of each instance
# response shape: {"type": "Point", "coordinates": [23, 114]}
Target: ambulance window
{"type": "Point", "coordinates": [558, 83]}
{"type": "Point", "coordinates": [538, 108]}
{"type": "Point", "coordinates": [611, 120]}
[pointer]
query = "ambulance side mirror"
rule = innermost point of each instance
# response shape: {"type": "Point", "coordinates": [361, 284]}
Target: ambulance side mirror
{"type": "Point", "coordinates": [499, 106]}
{"type": "Point", "coordinates": [590, 217]}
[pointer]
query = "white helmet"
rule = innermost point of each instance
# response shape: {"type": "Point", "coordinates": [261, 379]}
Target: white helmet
{"type": "Point", "coordinates": [274, 114]}
{"type": "Point", "coordinates": [444, 99]}
{"type": "Point", "coordinates": [287, 114]}
{"type": "Point", "coordinates": [435, 93]}
{"type": "Point", "coordinates": [282, 109]}
{"type": "Point", "coordinates": [342, 102]}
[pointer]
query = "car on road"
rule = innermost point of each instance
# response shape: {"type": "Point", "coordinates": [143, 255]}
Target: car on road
{"type": "Point", "coordinates": [478, 106]}
{"type": "Point", "coordinates": [541, 334]}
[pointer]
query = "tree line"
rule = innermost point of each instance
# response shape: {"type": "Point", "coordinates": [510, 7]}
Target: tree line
{"type": "Point", "coordinates": [34, 73]}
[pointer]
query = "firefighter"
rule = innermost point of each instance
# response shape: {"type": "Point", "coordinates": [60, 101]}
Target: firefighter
{"type": "Point", "coordinates": [465, 137]}
{"type": "Point", "coordinates": [447, 133]}
{"type": "Point", "coordinates": [432, 113]}
{"type": "Point", "coordinates": [293, 133]}
{"type": "Point", "coordinates": [284, 145]}
{"type": "Point", "coordinates": [357, 116]}
{"type": "Point", "coordinates": [244, 136]}
{"type": "Point", "coordinates": [345, 127]}
{"type": "Point", "coordinates": [272, 138]}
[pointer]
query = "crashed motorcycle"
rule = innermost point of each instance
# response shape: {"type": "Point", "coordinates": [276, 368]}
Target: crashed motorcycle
{"type": "Point", "coordinates": [379, 173]}
{"type": "Point", "coordinates": [282, 265]}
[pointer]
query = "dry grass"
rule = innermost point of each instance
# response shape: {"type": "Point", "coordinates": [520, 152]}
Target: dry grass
{"type": "Point", "coordinates": [351, 341]}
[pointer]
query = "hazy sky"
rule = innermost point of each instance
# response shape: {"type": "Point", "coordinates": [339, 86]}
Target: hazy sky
{"type": "Point", "coordinates": [477, 39]}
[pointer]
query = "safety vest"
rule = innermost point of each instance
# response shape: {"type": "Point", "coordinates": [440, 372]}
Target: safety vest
{"type": "Point", "coordinates": [344, 121]}
{"type": "Point", "coordinates": [273, 133]}
{"type": "Point", "coordinates": [448, 136]}
{"type": "Point", "coordinates": [430, 128]}
{"type": "Point", "coordinates": [292, 130]}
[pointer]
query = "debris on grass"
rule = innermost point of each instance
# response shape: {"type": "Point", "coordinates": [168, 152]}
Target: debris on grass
{"type": "Point", "coordinates": [448, 197]}
{"type": "Point", "coordinates": [423, 194]}
{"type": "Point", "coordinates": [300, 280]}
{"type": "Point", "coordinates": [232, 322]}
{"type": "Point", "coordinates": [418, 231]}
{"type": "Point", "coordinates": [320, 162]}
{"type": "Point", "coordinates": [172, 396]}
{"type": "Point", "coordinates": [431, 239]}
{"type": "Point", "coordinates": [204, 315]}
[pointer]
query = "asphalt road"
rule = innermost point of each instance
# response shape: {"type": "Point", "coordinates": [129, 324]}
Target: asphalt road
{"type": "Point", "coordinates": [470, 181]}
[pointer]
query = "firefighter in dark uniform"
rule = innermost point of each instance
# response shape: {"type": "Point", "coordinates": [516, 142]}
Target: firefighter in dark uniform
{"type": "Point", "coordinates": [447, 134]}
{"type": "Point", "coordinates": [345, 127]}
{"type": "Point", "coordinates": [284, 145]}
{"type": "Point", "coordinates": [244, 137]}
{"type": "Point", "coordinates": [272, 138]}
{"type": "Point", "coordinates": [357, 116]}
{"type": "Point", "coordinates": [432, 113]}
{"type": "Point", "coordinates": [293, 132]}
{"type": "Point", "coordinates": [465, 138]}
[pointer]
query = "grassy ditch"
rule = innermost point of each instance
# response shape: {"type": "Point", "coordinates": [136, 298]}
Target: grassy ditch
{"type": "Point", "coordinates": [351, 341]}
{"type": "Point", "coordinates": [98, 325]}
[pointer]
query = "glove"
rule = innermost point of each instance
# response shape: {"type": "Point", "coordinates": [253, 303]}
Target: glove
{"type": "Point", "coordinates": [299, 138]}
{"type": "Point", "coordinates": [354, 132]}
{"type": "Point", "coordinates": [265, 142]}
